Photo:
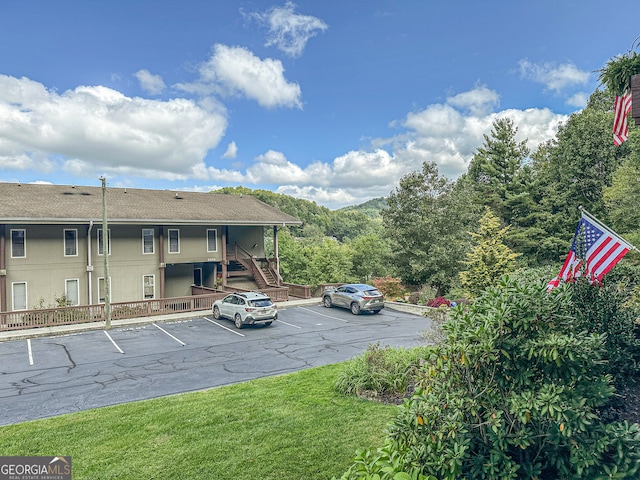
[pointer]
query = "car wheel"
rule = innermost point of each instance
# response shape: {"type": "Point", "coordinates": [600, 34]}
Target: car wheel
{"type": "Point", "coordinates": [238, 320]}
{"type": "Point", "coordinates": [216, 313]}
{"type": "Point", "coordinates": [355, 308]}
{"type": "Point", "coordinates": [326, 301]}
{"type": "Point", "coordinates": [267, 323]}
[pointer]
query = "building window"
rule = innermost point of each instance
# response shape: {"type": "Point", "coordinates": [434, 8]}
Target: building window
{"type": "Point", "coordinates": [70, 243]}
{"type": "Point", "coordinates": [149, 286]}
{"type": "Point", "coordinates": [18, 243]}
{"type": "Point", "coordinates": [147, 240]}
{"type": "Point", "coordinates": [101, 242]}
{"type": "Point", "coordinates": [174, 241]}
{"type": "Point", "coordinates": [72, 291]}
{"type": "Point", "coordinates": [212, 240]}
{"type": "Point", "coordinates": [19, 294]}
{"type": "Point", "coordinates": [101, 290]}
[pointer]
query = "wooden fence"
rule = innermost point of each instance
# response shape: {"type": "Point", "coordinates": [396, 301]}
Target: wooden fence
{"type": "Point", "coordinates": [202, 298]}
{"type": "Point", "coordinates": [49, 317]}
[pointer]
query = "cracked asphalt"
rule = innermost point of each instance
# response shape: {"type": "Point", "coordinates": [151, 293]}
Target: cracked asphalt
{"type": "Point", "coordinates": [49, 376]}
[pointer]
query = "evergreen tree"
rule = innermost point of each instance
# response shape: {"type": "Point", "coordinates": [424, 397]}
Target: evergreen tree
{"type": "Point", "coordinates": [490, 258]}
{"type": "Point", "coordinates": [495, 168]}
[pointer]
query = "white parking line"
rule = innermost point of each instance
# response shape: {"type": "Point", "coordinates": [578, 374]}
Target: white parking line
{"type": "Point", "coordinates": [113, 341]}
{"type": "Point", "coordinates": [162, 329]}
{"type": "Point", "coordinates": [222, 326]}
{"type": "Point", "coordinates": [290, 324]}
{"type": "Point", "coordinates": [30, 351]}
{"type": "Point", "coordinates": [328, 316]}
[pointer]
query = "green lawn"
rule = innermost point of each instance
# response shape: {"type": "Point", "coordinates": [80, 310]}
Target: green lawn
{"type": "Point", "coordinates": [288, 427]}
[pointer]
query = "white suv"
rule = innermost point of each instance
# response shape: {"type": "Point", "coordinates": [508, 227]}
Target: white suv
{"type": "Point", "coordinates": [247, 308]}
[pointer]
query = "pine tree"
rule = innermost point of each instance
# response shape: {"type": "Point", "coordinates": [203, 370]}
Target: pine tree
{"type": "Point", "coordinates": [490, 258]}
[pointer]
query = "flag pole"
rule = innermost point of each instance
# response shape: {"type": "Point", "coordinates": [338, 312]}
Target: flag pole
{"type": "Point", "coordinates": [611, 231]}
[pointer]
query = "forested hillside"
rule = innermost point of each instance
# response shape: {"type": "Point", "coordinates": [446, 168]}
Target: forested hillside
{"type": "Point", "coordinates": [423, 231]}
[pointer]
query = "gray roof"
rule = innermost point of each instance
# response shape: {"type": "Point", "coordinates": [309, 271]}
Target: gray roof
{"type": "Point", "coordinates": [46, 204]}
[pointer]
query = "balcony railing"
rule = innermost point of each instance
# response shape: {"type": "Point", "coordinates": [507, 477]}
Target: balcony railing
{"type": "Point", "coordinates": [202, 299]}
{"type": "Point", "coordinates": [49, 317]}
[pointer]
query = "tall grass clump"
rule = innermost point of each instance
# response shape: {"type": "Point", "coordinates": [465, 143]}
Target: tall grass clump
{"type": "Point", "coordinates": [380, 370]}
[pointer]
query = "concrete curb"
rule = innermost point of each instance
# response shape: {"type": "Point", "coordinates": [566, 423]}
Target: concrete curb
{"type": "Point", "coordinates": [85, 327]}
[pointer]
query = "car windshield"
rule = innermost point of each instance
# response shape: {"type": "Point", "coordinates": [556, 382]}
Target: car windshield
{"type": "Point", "coordinates": [372, 293]}
{"type": "Point", "coordinates": [261, 302]}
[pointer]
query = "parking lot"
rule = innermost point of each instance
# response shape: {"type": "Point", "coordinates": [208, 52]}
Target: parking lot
{"type": "Point", "coordinates": [52, 375]}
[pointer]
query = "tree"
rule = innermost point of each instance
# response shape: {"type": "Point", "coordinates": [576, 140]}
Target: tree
{"type": "Point", "coordinates": [371, 257]}
{"type": "Point", "coordinates": [490, 258]}
{"type": "Point", "coordinates": [622, 198]}
{"type": "Point", "coordinates": [294, 258]}
{"type": "Point", "coordinates": [426, 220]}
{"type": "Point", "coordinates": [573, 170]}
{"type": "Point", "coordinates": [329, 262]}
{"type": "Point", "coordinates": [495, 168]}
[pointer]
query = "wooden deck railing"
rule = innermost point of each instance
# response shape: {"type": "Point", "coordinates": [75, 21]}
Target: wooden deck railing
{"type": "Point", "coordinates": [49, 317]}
{"type": "Point", "coordinates": [202, 298]}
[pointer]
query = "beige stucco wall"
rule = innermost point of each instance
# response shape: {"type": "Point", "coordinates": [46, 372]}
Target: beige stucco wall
{"type": "Point", "coordinates": [46, 268]}
{"type": "Point", "coordinates": [246, 237]}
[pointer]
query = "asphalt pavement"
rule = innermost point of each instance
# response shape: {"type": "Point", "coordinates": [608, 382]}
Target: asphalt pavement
{"type": "Point", "coordinates": [65, 370]}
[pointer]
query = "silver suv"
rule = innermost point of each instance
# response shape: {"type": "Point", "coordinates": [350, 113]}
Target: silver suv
{"type": "Point", "coordinates": [247, 308]}
{"type": "Point", "coordinates": [357, 297]}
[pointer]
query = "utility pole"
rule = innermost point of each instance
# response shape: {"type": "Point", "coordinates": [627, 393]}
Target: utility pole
{"type": "Point", "coordinates": [105, 251]}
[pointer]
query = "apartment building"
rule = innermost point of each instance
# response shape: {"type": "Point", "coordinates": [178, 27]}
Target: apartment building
{"type": "Point", "coordinates": [159, 242]}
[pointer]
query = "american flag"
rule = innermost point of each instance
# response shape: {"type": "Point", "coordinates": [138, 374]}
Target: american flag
{"type": "Point", "coordinates": [595, 248]}
{"type": "Point", "coordinates": [621, 109]}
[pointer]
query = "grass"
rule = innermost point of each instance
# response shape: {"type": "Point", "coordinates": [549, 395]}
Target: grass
{"type": "Point", "coordinates": [288, 427]}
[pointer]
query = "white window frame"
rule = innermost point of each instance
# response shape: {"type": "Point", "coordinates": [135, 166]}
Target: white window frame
{"type": "Point", "coordinates": [144, 286]}
{"type": "Point", "coordinates": [146, 232]}
{"type": "Point", "coordinates": [13, 295]}
{"type": "Point", "coordinates": [75, 242]}
{"type": "Point", "coordinates": [101, 279]}
{"type": "Point", "coordinates": [215, 239]}
{"type": "Point", "coordinates": [100, 239]}
{"type": "Point", "coordinates": [67, 283]}
{"type": "Point", "coordinates": [177, 230]}
{"type": "Point", "coordinates": [24, 242]}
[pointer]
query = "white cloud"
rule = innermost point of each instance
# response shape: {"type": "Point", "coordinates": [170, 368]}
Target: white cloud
{"type": "Point", "coordinates": [237, 71]}
{"type": "Point", "coordinates": [94, 128]}
{"type": "Point", "coordinates": [579, 100]}
{"type": "Point", "coordinates": [231, 152]}
{"type": "Point", "coordinates": [440, 133]}
{"type": "Point", "coordinates": [331, 198]}
{"type": "Point", "coordinates": [288, 31]}
{"type": "Point", "coordinates": [554, 77]}
{"type": "Point", "coordinates": [478, 101]}
{"type": "Point", "coordinates": [152, 84]}
{"type": "Point", "coordinates": [90, 130]}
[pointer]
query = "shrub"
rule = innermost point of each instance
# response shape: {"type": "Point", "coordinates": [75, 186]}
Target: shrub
{"type": "Point", "coordinates": [512, 393]}
{"type": "Point", "coordinates": [389, 286]}
{"type": "Point", "coordinates": [438, 301]}
{"type": "Point", "coordinates": [380, 370]}
{"type": "Point", "coordinates": [414, 298]}
{"type": "Point", "coordinates": [605, 310]}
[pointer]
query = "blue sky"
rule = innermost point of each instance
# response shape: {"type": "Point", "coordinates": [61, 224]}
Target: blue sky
{"type": "Point", "coordinates": [331, 101]}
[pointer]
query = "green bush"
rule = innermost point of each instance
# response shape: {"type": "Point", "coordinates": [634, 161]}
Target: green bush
{"type": "Point", "coordinates": [513, 392]}
{"type": "Point", "coordinates": [604, 310]}
{"type": "Point", "coordinates": [379, 371]}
